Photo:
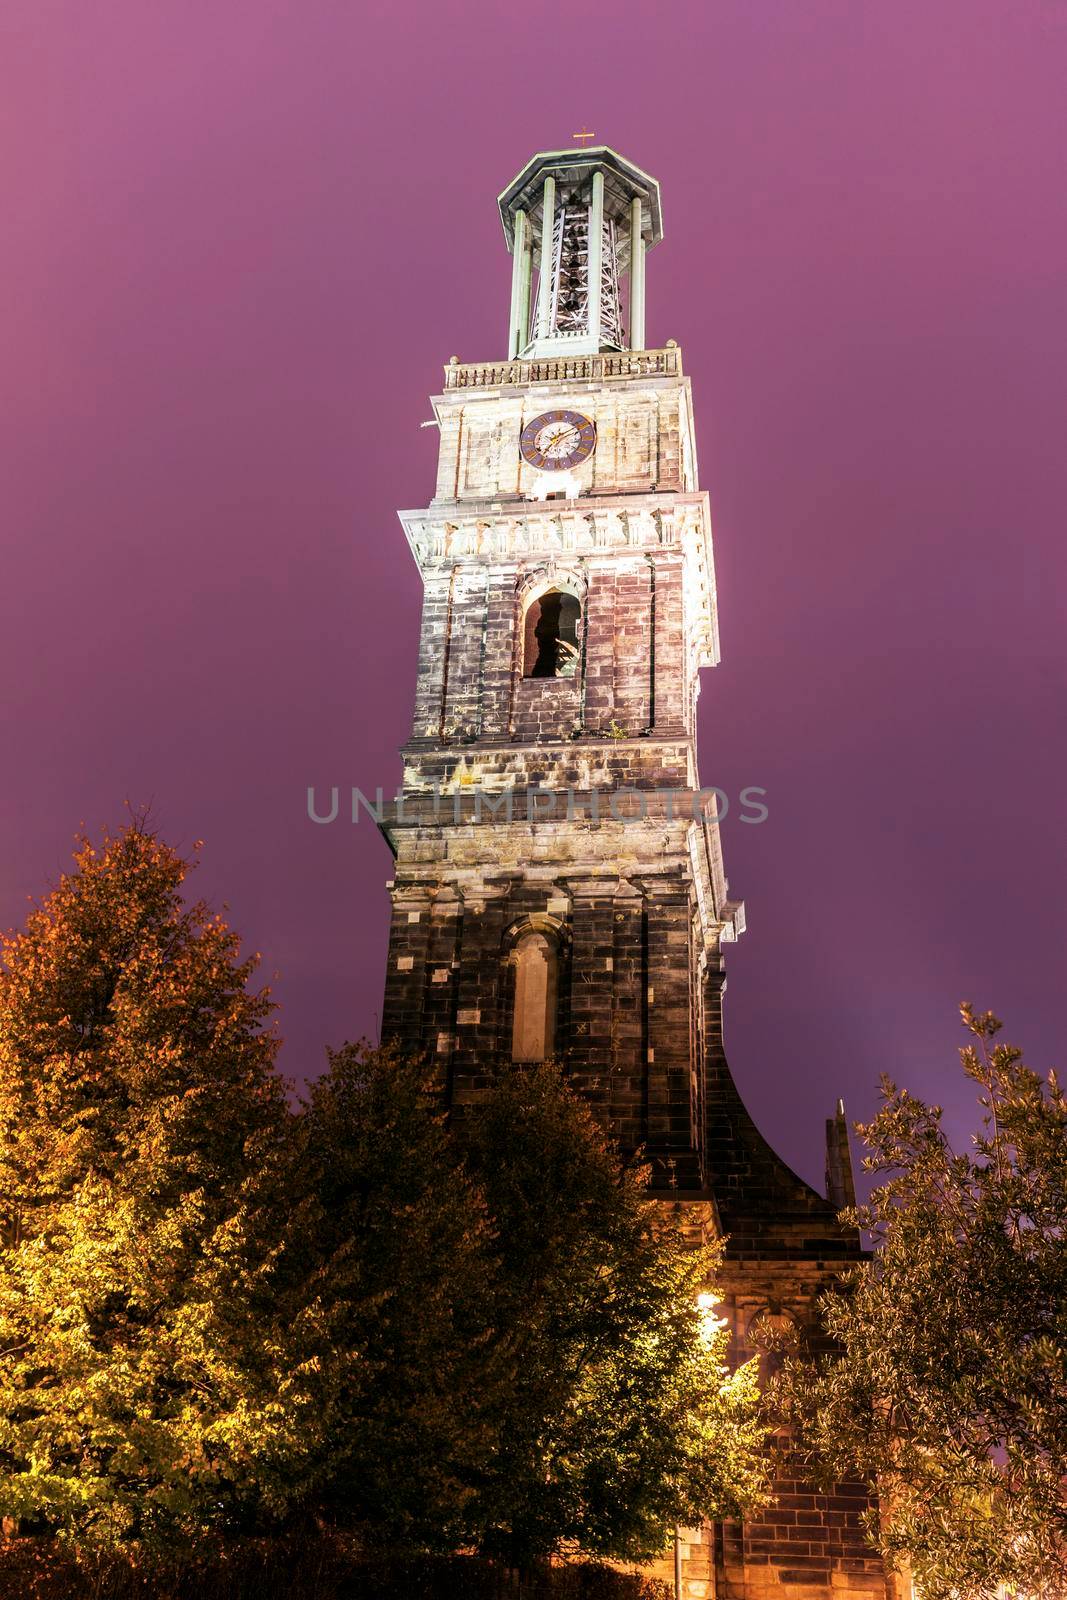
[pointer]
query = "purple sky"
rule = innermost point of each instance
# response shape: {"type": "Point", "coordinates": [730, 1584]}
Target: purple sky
{"type": "Point", "coordinates": [240, 240]}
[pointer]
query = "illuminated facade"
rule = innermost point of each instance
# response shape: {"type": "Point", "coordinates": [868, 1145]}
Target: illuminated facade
{"type": "Point", "coordinates": [559, 885]}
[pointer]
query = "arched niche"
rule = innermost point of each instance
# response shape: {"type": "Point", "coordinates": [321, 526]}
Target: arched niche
{"type": "Point", "coordinates": [533, 1025]}
{"type": "Point", "coordinates": [772, 1332]}
{"type": "Point", "coordinates": [535, 953]}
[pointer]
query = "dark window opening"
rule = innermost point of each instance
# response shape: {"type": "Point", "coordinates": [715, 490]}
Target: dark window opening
{"type": "Point", "coordinates": [552, 648]}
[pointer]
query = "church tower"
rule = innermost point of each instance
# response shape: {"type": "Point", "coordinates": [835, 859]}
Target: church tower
{"type": "Point", "coordinates": [559, 886]}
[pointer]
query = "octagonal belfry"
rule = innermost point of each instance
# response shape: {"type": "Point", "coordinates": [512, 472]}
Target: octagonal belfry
{"type": "Point", "coordinates": [578, 222]}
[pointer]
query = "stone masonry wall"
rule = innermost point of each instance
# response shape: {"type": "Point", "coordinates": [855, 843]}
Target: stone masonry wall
{"type": "Point", "coordinates": [639, 425]}
{"type": "Point", "coordinates": [784, 1246]}
{"type": "Point", "coordinates": [632, 675]}
{"type": "Point", "coordinates": [462, 895]}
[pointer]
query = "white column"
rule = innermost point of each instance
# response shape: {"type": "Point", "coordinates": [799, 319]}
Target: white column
{"type": "Point", "coordinates": [544, 285]}
{"type": "Point", "coordinates": [524, 292]}
{"type": "Point", "coordinates": [518, 258]}
{"type": "Point", "coordinates": [637, 278]}
{"type": "Point", "coordinates": [596, 253]}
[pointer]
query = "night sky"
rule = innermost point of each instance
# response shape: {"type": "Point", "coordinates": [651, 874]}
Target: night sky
{"type": "Point", "coordinates": [239, 242]}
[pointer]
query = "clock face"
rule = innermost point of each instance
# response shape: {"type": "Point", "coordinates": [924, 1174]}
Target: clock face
{"type": "Point", "coordinates": [557, 441]}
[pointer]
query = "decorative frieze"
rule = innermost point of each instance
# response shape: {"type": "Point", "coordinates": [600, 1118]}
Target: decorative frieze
{"type": "Point", "coordinates": [502, 532]}
{"type": "Point", "coordinates": [666, 363]}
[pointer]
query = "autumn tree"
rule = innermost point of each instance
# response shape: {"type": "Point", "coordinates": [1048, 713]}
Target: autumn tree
{"type": "Point", "coordinates": [139, 1109]}
{"type": "Point", "coordinates": [947, 1389]}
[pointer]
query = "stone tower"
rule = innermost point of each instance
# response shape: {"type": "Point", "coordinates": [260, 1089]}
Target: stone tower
{"type": "Point", "coordinates": [559, 885]}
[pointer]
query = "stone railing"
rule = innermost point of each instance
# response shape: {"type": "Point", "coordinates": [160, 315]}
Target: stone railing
{"type": "Point", "coordinates": [666, 363]}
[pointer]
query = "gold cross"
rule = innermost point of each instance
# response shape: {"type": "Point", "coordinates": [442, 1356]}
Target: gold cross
{"type": "Point", "coordinates": [584, 134]}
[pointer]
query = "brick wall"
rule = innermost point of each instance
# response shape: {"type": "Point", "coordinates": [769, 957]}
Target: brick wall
{"type": "Point", "coordinates": [634, 673]}
{"type": "Point", "coordinates": [627, 950]}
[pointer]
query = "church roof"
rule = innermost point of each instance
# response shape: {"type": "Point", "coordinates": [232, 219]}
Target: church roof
{"type": "Point", "coordinates": [623, 182]}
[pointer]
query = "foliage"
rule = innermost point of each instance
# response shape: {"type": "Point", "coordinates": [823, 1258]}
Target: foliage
{"type": "Point", "coordinates": [138, 1108]}
{"type": "Point", "coordinates": [948, 1386]}
{"type": "Point", "coordinates": [622, 1420]}
{"type": "Point", "coordinates": [500, 1336]}
{"type": "Point", "coordinates": [221, 1319]}
{"type": "Point", "coordinates": [383, 1289]}
{"type": "Point", "coordinates": [312, 1567]}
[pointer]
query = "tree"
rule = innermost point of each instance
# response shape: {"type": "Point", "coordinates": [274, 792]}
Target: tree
{"type": "Point", "coordinates": [946, 1386]}
{"type": "Point", "coordinates": [139, 1108]}
{"type": "Point", "coordinates": [219, 1317]}
{"type": "Point", "coordinates": [497, 1337]}
{"type": "Point", "coordinates": [383, 1287]}
{"type": "Point", "coordinates": [622, 1420]}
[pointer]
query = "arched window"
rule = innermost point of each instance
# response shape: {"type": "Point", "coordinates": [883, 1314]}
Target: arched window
{"type": "Point", "coordinates": [551, 642]}
{"type": "Point", "coordinates": [772, 1332]}
{"type": "Point", "coordinates": [533, 1030]}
